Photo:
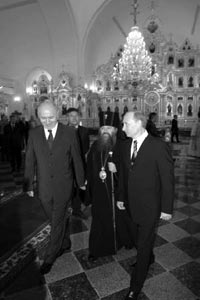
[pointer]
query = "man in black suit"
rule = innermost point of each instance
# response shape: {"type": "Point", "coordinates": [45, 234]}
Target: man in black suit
{"type": "Point", "coordinates": [175, 129]}
{"type": "Point", "coordinates": [53, 151]}
{"type": "Point", "coordinates": [73, 117]}
{"type": "Point", "coordinates": [146, 179]}
{"type": "Point", "coordinates": [14, 140]}
{"type": "Point", "coordinates": [151, 124]}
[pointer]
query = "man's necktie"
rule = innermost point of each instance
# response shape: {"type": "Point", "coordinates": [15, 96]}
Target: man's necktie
{"type": "Point", "coordinates": [134, 151]}
{"type": "Point", "coordinates": [50, 139]}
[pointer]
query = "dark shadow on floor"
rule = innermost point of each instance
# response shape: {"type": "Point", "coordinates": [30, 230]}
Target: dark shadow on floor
{"type": "Point", "coordinates": [20, 218]}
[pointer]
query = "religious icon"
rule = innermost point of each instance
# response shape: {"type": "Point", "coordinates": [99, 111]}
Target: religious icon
{"type": "Point", "coordinates": [102, 174]}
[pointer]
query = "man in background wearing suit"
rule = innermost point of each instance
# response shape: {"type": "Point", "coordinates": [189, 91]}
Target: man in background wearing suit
{"type": "Point", "coordinates": [175, 129]}
{"type": "Point", "coordinates": [14, 140]}
{"type": "Point", "coordinates": [84, 142]}
{"type": "Point", "coordinates": [53, 151]}
{"type": "Point", "coordinates": [146, 179]}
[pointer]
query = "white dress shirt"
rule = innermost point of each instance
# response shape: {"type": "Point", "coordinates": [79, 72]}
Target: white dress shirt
{"type": "Point", "coordinates": [54, 130]}
{"type": "Point", "coordinates": [140, 139]}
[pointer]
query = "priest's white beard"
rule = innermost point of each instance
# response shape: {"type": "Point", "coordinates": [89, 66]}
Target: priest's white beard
{"type": "Point", "coordinates": [106, 142]}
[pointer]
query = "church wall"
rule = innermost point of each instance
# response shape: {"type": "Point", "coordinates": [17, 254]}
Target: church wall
{"type": "Point", "coordinates": [176, 89]}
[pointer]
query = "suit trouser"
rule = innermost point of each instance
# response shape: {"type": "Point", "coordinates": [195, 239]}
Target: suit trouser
{"type": "Point", "coordinates": [144, 236]}
{"type": "Point", "coordinates": [15, 158]}
{"type": "Point", "coordinates": [58, 213]}
{"type": "Point", "coordinates": [77, 199]}
{"type": "Point", "coordinates": [175, 134]}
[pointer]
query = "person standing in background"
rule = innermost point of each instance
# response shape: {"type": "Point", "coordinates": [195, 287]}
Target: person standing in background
{"type": "Point", "coordinates": [14, 142]}
{"type": "Point", "coordinates": [151, 125]}
{"type": "Point", "coordinates": [194, 145]}
{"type": "Point", "coordinates": [175, 129]}
{"type": "Point", "coordinates": [53, 152]}
{"type": "Point", "coordinates": [146, 180]}
{"type": "Point", "coordinates": [73, 118]}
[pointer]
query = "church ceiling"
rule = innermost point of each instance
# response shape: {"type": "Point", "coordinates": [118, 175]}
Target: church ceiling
{"type": "Point", "coordinates": [80, 35]}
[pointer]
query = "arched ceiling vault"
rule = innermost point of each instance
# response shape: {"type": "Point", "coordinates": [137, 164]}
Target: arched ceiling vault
{"type": "Point", "coordinates": [79, 35]}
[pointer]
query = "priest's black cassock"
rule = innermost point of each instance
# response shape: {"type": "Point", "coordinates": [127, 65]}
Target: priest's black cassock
{"type": "Point", "coordinates": [102, 240]}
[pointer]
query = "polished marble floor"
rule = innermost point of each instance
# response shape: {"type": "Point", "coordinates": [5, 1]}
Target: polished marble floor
{"type": "Point", "coordinates": [175, 275]}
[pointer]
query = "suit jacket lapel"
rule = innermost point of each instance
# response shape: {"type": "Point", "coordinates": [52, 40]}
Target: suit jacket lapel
{"type": "Point", "coordinates": [127, 151]}
{"type": "Point", "coordinates": [58, 135]}
{"type": "Point", "coordinates": [41, 142]}
{"type": "Point", "coordinates": [140, 152]}
{"type": "Point", "coordinates": [143, 147]}
{"type": "Point", "coordinates": [42, 138]}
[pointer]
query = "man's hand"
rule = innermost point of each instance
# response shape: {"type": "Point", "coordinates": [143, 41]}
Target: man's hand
{"type": "Point", "coordinates": [112, 168]}
{"type": "Point", "coordinates": [120, 205]}
{"type": "Point", "coordinates": [83, 188]}
{"type": "Point", "coordinates": [30, 193]}
{"type": "Point", "coordinates": [165, 216]}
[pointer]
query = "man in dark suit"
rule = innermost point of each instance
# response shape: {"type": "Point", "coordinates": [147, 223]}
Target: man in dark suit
{"type": "Point", "coordinates": [151, 124]}
{"type": "Point", "coordinates": [73, 117]}
{"type": "Point", "coordinates": [146, 179]}
{"type": "Point", "coordinates": [54, 152]}
{"type": "Point", "coordinates": [174, 129]}
{"type": "Point", "coordinates": [14, 139]}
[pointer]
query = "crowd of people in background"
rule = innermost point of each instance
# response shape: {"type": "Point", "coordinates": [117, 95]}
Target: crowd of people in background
{"type": "Point", "coordinates": [14, 133]}
{"type": "Point", "coordinates": [14, 136]}
{"type": "Point", "coordinates": [194, 145]}
{"type": "Point", "coordinates": [126, 177]}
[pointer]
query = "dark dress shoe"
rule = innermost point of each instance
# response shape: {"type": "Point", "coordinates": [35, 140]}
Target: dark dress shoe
{"type": "Point", "coordinates": [45, 268]}
{"type": "Point", "coordinates": [60, 253]}
{"type": "Point", "coordinates": [92, 258]}
{"type": "Point", "coordinates": [131, 296]}
{"type": "Point", "coordinates": [152, 260]}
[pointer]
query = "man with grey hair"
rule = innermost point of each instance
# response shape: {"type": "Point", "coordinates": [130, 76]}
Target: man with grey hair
{"type": "Point", "coordinates": [146, 190]}
{"type": "Point", "coordinates": [53, 152]}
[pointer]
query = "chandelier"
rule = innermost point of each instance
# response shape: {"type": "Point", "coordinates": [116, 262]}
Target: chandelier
{"type": "Point", "coordinates": [135, 64]}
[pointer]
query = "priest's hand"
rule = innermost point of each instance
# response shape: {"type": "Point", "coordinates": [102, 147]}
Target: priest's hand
{"type": "Point", "coordinates": [112, 168]}
{"type": "Point", "coordinates": [120, 205]}
{"type": "Point", "coordinates": [165, 216]}
{"type": "Point", "coordinates": [30, 193]}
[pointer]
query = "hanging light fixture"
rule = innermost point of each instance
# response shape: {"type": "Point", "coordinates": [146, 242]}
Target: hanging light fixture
{"type": "Point", "coordinates": [135, 64]}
